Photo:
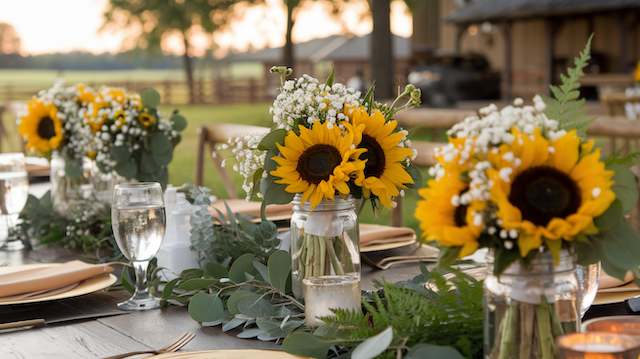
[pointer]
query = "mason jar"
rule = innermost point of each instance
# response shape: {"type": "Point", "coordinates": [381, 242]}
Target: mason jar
{"type": "Point", "coordinates": [325, 256]}
{"type": "Point", "coordinates": [66, 190]}
{"type": "Point", "coordinates": [528, 305]}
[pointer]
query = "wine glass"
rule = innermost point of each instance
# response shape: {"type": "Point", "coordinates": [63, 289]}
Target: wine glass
{"type": "Point", "coordinates": [138, 222]}
{"type": "Point", "coordinates": [588, 280]}
{"type": "Point", "coordinates": [14, 190]}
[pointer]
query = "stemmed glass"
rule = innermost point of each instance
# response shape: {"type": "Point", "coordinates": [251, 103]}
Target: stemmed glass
{"type": "Point", "coordinates": [14, 190]}
{"type": "Point", "coordinates": [138, 221]}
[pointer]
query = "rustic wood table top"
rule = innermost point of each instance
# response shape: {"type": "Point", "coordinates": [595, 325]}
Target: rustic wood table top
{"type": "Point", "coordinates": [135, 331]}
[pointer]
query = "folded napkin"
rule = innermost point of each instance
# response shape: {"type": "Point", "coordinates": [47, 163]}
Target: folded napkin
{"type": "Point", "coordinates": [609, 282]}
{"type": "Point", "coordinates": [371, 234]}
{"type": "Point", "coordinates": [41, 279]}
{"type": "Point", "coordinates": [251, 209]}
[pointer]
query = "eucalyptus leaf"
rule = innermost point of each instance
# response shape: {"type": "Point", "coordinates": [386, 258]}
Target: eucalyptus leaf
{"type": "Point", "coordinates": [262, 270]}
{"type": "Point", "coordinates": [127, 169]}
{"type": "Point", "coordinates": [256, 308]}
{"type": "Point", "coordinates": [279, 265]}
{"type": "Point", "coordinates": [373, 346]}
{"type": "Point", "coordinates": [216, 270]}
{"type": "Point", "coordinates": [205, 307]}
{"type": "Point", "coordinates": [168, 288]}
{"type": "Point", "coordinates": [73, 169]}
{"type": "Point", "coordinates": [191, 273]}
{"type": "Point", "coordinates": [306, 344]}
{"type": "Point", "coordinates": [242, 265]}
{"type": "Point", "coordinates": [235, 297]}
{"type": "Point", "coordinates": [161, 148]}
{"type": "Point", "coordinates": [625, 187]}
{"type": "Point", "coordinates": [197, 283]}
{"type": "Point", "coordinates": [232, 324]}
{"type": "Point", "coordinates": [424, 350]}
{"type": "Point", "coordinates": [249, 333]}
{"type": "Point", "coordinates": [120, 153]}
{"type": "Point", "coordinates": [178, 122]}
{"type": "Point", "coordinates": [150, 98]}
{"type": "Point", "coordinates": [272, 138]}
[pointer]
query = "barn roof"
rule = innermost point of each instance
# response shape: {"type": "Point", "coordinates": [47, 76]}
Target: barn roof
{"type": "Point", "coordinates": [502, 10]}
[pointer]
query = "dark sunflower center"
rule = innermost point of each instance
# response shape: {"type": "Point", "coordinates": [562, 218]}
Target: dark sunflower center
{"type": "Point", "coordinates": [460, 215]}
{"type": "Point", "coordinates": [374, 156]}
{"type": "Point", "coordinates": [46, 128]}
{"type": "Point", "coordinates": [543, 193]}
{"type": "Point", "coordinates": [317, 163]}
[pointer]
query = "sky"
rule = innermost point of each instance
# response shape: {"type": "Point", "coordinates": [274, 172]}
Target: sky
{"type": "Point", "coordinates": [66, 25]}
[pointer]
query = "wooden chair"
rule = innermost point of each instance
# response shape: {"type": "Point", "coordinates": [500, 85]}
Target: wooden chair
{"type": "Point", "coordinates": [424, 158]}
{"type": "Point", "coordinates": [623, 135]}
{"type": "Point", "coordinates": [616, 104]}
{"type": "Point", "coordinates": [208, 138]}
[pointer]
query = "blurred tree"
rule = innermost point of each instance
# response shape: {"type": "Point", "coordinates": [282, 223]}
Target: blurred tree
{"type": "Point", "coordinates": [288, 53]}
{"type": "Point", "coordinates": [381, 48]}
{"type": "Point", "coordinates": [157, 19]}
{"type": "Point", "coordinates": [9, 39]}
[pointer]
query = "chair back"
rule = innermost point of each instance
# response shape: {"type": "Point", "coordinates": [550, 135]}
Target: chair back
{"type": "Point", "coordinates": [621, 104]}
{"type": "Point", "coordinates": [424, 158]}
{"type": "Point", "coordinates": [212, 135]}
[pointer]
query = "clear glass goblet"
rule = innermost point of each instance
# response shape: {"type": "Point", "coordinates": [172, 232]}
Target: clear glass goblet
{"type": "Point", "coordinates": [138, 221]}
{"type": "Point", "coordinates": [588, 281]}
{"type": "Point", "coordinates": [14, 190]}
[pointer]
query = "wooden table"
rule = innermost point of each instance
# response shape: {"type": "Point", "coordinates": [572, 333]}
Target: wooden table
{"type": "Point", "coordinates": [135, 331]}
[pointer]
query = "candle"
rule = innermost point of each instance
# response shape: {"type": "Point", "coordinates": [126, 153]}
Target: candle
{"type": "Point", "coordinates": [598, 345]}
{"type": "Point", "coordinates": [623, 324]}
{"type": "Point", "coordinates": [321, 294]}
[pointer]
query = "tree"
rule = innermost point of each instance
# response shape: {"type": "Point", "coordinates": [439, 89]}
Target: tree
{"type": "Point", "coordinates": [9, 39]}
{"type": "Point", "coordinates": [157, 19]}
{"type": "Point", "coordinates": [381, 48]}
{"type": "Point", "coordinates": [288, 52]}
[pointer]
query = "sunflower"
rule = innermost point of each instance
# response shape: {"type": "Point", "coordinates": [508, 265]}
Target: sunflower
{"type": "Point", "coordinates": [384, 174]}
{"type": "Point", "coordinates": [636, 73]}
{"type": "Point", "coordinates": [317, 162]}
{"type": "Point", "coordinates": [146, 119]}
{"type": "Point", "coordinates": [554, 192]}
{"type": "Point", "coordinates": [85, 96]}
{"type": "Point", "coordinates": [40, 127]}
{"type": "Point", "coordinates": [444, 222]}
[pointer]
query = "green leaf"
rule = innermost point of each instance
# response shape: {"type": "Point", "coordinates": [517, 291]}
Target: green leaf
{"type": "Point", "coordinates": [373, 346]}
{"type": "Point", "coordinates": [167, 291]}
{"type": "Point", "coordinates": [256, 307]}
{"type": "Point", "coordinates": [120, 153]}
{"type": "Point", "coordinates": [191, 273]}
{"type": "Point", "coordinates": [257, 176]}
{"type": "Point", "coordinates": [279, 265]}
{"type": "Point", "coordinates": [150, 98]}
{"type": "Point", "coordinates": [262, 270]}
{"type": "Point", "coordinates": [272, 138]}
{"type": "Point", "coordinates": [216, 270]}
{"type": "Point", "coordinates": [424, 350]}
{"type": "Point", "coordinates": [305, 344]}
{"type": "Point", "coordinates": [205, 307]}
{"type": "Point", "coordinates": [331, 78]}
{"type": "Point", "coordinates": [73, 169]}
{"type": "Point", "coordinates": [161, 148]}
{"type": "Point", "coordinates": [416, 175]}
{"type": "Point", "coordinates": [197, 283]}
{"type": "Point", "coordinates": [235, 297]}
{"type": "Point", "coordinates": [625, 186]}
{"type": "Point", "coordinates": [448, 256]}
{"type": "Point", "coordinates": [242, 265]}
{"type": "Point", "coordinates": [232, 324]}
{"type": "Point", "coordinates": [147, 164]}
{"type": "Point", "coordinates": [611, 217]}
{"type": "Point", "coordinates": [178, 122]}
{"type": "Point", "coordinates": [621, 249]}
{"type": "Point", "coordinates": [503, 259]}
{"type": "Point", "coordinates": [127, 169]}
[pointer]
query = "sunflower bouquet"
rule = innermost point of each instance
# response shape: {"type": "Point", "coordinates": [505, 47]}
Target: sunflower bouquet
{"type": "Point", "coordinates": [130, 136]}
{"type": "Point", "coordinates": [524, 182]}
{"type": "Point", "coordinates": [52, 124]}
{"type": "Point", "coordinates": [328, 144]}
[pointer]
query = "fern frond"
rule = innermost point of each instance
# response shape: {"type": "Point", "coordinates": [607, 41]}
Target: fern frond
{"type": "Point", "coordinates": [565, 105]}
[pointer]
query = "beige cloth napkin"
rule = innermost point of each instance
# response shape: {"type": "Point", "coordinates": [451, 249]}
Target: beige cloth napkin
{"type": "Point", "coordinates": [251, 209]}
{"type": "Point", "coordinates": [49, 278]}
{"type": "Point", "coordinates": [371, 234]}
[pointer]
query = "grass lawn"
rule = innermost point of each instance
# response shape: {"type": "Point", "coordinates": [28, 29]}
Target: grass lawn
{"type": "Point", "coordinates": [182, 168]}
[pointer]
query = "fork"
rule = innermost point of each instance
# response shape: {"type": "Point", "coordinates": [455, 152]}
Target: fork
{"type": "Point", "coordinates": [174, 347]}
{"type": "Point", "coordinates": [389, 262]}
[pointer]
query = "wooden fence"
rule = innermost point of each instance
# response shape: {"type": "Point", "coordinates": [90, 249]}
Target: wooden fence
{"type": "Point", "coordinates": [218, 91]}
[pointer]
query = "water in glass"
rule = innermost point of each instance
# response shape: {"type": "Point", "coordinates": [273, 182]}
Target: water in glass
{"type": "Point", "coordinates": [138, 221]}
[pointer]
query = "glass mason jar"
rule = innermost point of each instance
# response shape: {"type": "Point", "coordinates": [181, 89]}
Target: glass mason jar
{"type": "Point", "coordinates": [527, 307]}
{"type": "Point", "coordinates": [325, 256]}
{"type": "Point", "coordinates": [103, 183]}
{"type": "Point", "coordinates": [68, 191]}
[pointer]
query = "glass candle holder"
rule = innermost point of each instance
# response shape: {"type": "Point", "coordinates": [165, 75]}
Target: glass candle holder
{"type": "Point", "coordinates": [622, 324]}
{"type": "Point", "coordinates": [598, 345]}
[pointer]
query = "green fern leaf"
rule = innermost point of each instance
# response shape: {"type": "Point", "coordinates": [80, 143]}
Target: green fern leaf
{"type": "Point", "coordinates": [565, 105]}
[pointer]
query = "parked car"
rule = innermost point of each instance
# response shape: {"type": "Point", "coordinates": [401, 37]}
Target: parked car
{"type": "Point", "coordinates": [447, 79]}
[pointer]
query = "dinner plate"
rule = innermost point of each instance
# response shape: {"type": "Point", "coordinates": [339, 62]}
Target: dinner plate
{"type": "Point", "coordinates": [397, 243]}
{"type": "Point", "coordinates": [228, 354]}
{"type": "Point", "coordinates": [614, 297]}
{"type": "Point", "coordinates": [85, 287]}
